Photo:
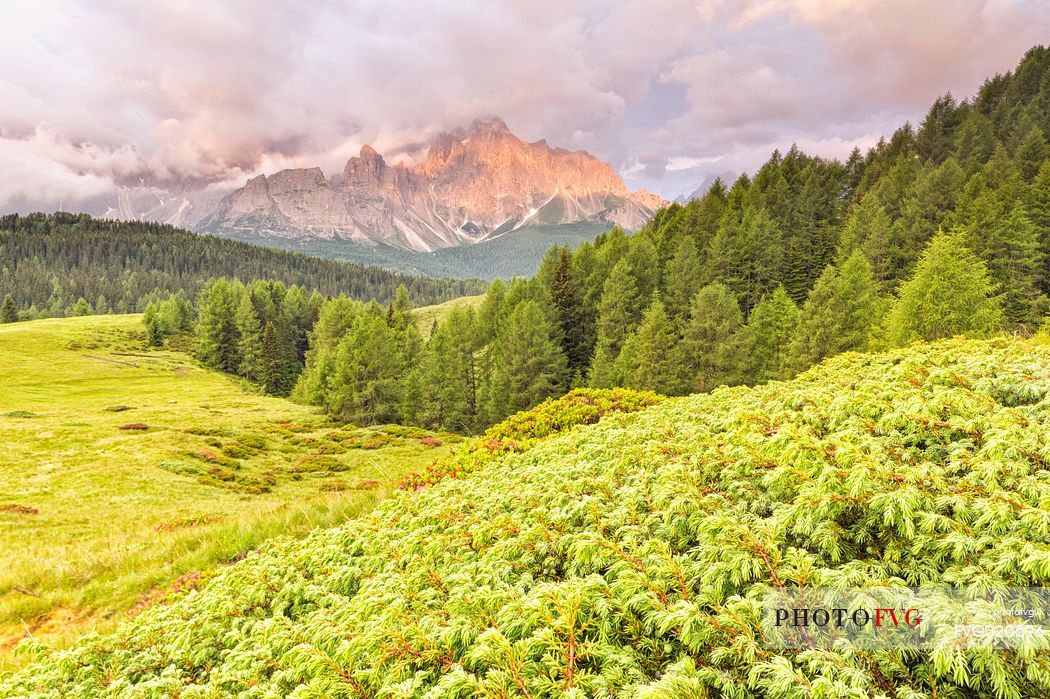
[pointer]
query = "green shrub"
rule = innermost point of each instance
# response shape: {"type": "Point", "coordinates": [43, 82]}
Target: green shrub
{"type": "Point", "coordinates": [252, 441]}
{"type": "Point", "coordinates": [631, 558]}
{"type": "Point", "coordinates": [521, 431]}
{"type": "Point", "coordinates": [318, 462]}
{"type": "Point", "coordinates": [237, 451]}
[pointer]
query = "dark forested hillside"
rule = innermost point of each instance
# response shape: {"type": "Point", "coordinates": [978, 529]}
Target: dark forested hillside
{"type": "Point", "coordinates": [49, 262]}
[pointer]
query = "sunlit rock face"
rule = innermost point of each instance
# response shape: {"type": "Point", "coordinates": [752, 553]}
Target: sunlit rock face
{"type": "Point", "coordinates": [473, 184]}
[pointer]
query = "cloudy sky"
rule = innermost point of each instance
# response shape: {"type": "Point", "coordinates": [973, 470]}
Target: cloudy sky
{"type": "Point", "coordinates": [188, 93]}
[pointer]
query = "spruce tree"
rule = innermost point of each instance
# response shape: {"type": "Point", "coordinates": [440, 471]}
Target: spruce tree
{"type": "Point", "coordinates": [449, 373]}
{"type": "Point", "coordinates": [565, 295]}
{"type": "Point", "coordinates": [711, 351]}
{"type": "Point", "coordinates": [653, 364]}
{"type": "Point", "coordinates": [951, 293]}
{"type": "Point", "coordinates": [81, 308]}
{"type": "Point", "coordinates": [8, 311]}
{"type": "Point", "coordinates": [249, 343]}
{"type": "Point", "coordinates": [154, 331]}
{"type": "Point", "coordinates": [527, 364]}
{"type": "Point", "coordinates": [840, 313]}
{"type": "Point", "coordinates": [618, 310]}
{"type": "Point", "coordinates": [1037, 207]}
{"type": "Point", "coordinates": [602, 371]}
{"type": "Point", "coordinates": [367, 381]}
{"type": "Point", "coordinates": [217, 327]}
{"type": "Point", "coordinates": [1014, 258]}
{"type": "Point", "coordinates": [682, 280]}
{"type": "Point", "coordinates": [769, 333]}
{"type": "Point", "coordinates": [277, 367]}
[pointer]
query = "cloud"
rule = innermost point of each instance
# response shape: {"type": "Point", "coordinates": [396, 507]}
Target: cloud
{"type": "Point", "coordinates": [187, 93]}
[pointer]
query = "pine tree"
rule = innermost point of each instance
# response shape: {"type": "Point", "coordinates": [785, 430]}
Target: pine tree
{"type": "Point", "coordinates": [654, 365]}
{"type": "Point", "coordinates": [527, 365]}
{"type": "Point", "coordinates": [644, 264]}
{"type": "Point", "coordinates": [8, 311]}
{"type": "Point", "coordinates": [401, 309]}
{"type": "Point", "coordinates": [602, 370]}
{"type": "Point", "coordinates": [1031, 153]}
{"type": "Point", "coordinates": [1016, 264]}
{"type": "Point", "coordinates": [154, 331]}
{"type": "Point", "coordinates": [769, 333]}
{"type": "Point", "coordinates": [1037, 207]}
{"type": "Point", "coordinates": [711, 351]}
{"type": "Point", "coordinates": [764, 258]}
{"type": "Point", "coordinates": [951, 293]}
{"type": "Point", "coordinates": [334, 320]}
{"type": "Point", "coordinates": [277, 368]}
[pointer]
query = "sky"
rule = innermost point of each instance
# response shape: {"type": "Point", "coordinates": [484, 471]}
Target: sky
{"type": "Point", "coordinates": [194, 94]}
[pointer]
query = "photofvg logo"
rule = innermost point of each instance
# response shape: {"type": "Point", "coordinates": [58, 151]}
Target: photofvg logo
{"type": "Point", "coordinates": [841, 616]}
{"type": "Point", "coordinates": [903, 617]}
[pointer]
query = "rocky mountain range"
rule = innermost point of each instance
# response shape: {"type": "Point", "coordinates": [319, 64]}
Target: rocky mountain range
{"type": "Point", "coordinates": [473, 185]}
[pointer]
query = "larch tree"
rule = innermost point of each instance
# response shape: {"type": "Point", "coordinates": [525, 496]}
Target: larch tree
{"type": "Point", "coordinates": [951, 293]}
{"type": "Point", "coordinates": [769, 333]}
{"type": "Point", "coordinates": [710, 352]}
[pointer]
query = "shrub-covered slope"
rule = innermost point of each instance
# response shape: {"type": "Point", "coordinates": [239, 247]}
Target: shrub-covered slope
{"type": "Point", "coordinates": [626, 558]}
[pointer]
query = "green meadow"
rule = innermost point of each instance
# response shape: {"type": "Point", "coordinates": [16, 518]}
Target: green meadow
{"type": "Point", "coordinates": [127, 473]}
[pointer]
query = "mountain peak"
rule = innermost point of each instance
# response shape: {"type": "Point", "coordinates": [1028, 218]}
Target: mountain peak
{"type": "Point", "coordinates": [489, 125]}
{"type": "Point", "coordinates": [473, 182]}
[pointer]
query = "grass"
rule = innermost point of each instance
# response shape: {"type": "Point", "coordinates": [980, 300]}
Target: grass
{"type": "Point", "coordinates": [126, 469]}
{"type": "Point", "coordinates": [426, 316]}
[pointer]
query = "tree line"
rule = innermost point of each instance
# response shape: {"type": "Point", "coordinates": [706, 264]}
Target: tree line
{"type": "Point", "coordinates": [941, 230]}
{"type": "Point", "coordinates": [65, 264]}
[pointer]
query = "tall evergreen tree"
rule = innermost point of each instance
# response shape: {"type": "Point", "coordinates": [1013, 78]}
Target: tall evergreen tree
{"type": "Point", "coordinates": [1037, 207]}
{"type": "Point", "coordinates": [81, 308]}
{"type": "Point", "coordinates": [618, 309]}
{"type": "Point", "coordinates": [528, 365]}
{"type": "Point", "coordinates": [449, 373]}
{"type": "Point", "coordinates": [278, 366]}
{"type": "Point", "coordinates": [250, 339]}
{"type": "Point", "coordinates": [682, 280]}
{"type": "Point", "coordinates": [711, 350]}
{"type": "Point", "coordinates": [8, 311]}
{"type": "Point", "coordinates": [769, 333]}
{"type": "Point", "coordinates": [951, 293]}
{"type": "Point", "coordinates": [565, 295]}
{"type": "Point", "coordinates": [367, 383]}
{"type": "Point", "coordinates": [652, 363]}
{"type": "Point", "coordinates": [839, 314]}
{"type": "Point", "coordinates": [217, 327]}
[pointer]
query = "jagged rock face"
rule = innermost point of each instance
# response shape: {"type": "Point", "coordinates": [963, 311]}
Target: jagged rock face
{"type": "Point", "coordinates": [473, 184]}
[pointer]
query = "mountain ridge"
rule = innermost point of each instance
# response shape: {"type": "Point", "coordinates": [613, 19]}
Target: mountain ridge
{"type": "Point", "coordinates": [473, 185]}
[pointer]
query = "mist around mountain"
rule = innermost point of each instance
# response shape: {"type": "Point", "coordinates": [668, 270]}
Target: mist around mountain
{"type": "Point", "coordinates": [475, 186]}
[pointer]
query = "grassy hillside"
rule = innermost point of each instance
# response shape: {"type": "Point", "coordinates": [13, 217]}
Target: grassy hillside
{"type": "Point", "coordinates": [124, 469]}
{"type": "Point", "coordinates": [628, 558]}
{"type": "Point", "coordinates": [426, 316]}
